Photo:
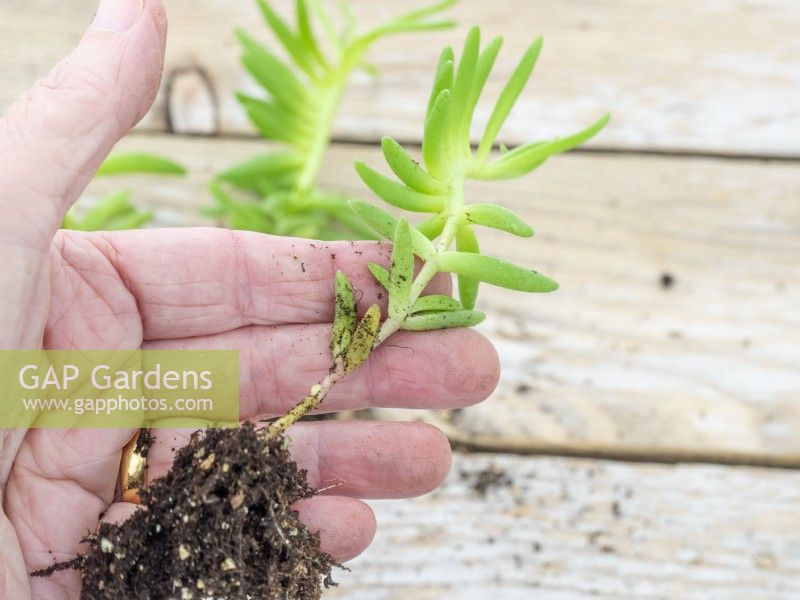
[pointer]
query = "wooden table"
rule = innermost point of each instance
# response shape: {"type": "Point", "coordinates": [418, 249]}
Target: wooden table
{"type": "Point", "coordinates": [674, 341]}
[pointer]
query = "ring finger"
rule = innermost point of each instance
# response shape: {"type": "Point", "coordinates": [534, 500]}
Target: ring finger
{"type": "Point", "coordinates": [359, 459]}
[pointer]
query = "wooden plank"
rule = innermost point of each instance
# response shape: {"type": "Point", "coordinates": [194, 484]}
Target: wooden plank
{"type": "Point", "coordinates": [614, 362]}
{"type": "Point", "coordinates": [570, 529]}
{"type": "Point", "coordinates": [708, 76]}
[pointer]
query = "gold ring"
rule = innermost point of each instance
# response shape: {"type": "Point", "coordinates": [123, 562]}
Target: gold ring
{"type": "Point", "coordinates": [133, 466]}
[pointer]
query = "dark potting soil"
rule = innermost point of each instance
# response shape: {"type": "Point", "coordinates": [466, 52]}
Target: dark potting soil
{"type": "Point", "coordinates": [219, 525]}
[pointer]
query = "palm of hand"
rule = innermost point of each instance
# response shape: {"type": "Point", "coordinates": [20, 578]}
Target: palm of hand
{"type": "Point", "coordinates": [217, 289]}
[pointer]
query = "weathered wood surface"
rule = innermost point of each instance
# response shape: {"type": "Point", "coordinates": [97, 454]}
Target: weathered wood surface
{"type": "Point", "coordinates": [707, 76]}
{"type": "Point", "coordinates": [614, 362]}
{"type": "Point", "coordinates": [570, 529]}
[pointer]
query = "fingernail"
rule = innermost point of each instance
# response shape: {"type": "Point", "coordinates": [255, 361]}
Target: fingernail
{"type": "Point", "coordinates": [117, 15]}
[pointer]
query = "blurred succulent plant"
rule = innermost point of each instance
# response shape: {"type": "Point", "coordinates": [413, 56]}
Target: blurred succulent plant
{"type": "Point", "coordinates": [116, 211]}
{"type": "Point", "coordinates": [437, 188]}
{"type": "Point", "coordinates": [276, 192]}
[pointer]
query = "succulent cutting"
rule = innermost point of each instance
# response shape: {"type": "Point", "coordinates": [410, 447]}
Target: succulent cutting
{"type": "Point", "coordinates": [436, 187]}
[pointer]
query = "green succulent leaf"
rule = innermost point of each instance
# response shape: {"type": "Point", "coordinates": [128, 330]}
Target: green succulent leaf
{"type": "Point", "coordinates": [495, 271]}
{"type": "Point", "coordinates": [115, 205]}
{"type": "Point", "coordinates": [380, 274]}
{"type": "Point", "coordinates": [271, 73]}
{"type": "Point", "coordinates": [409, 22]}
{"type": "Point", "coordinates": [318, 8]}
{"type": "Point", "coordinates": [294, 47]}
{"type": "Point", "coordinates": [483, 67]}
{"type": "Point", "coordinates": [443, 79]}
{"type": "Point", "coordinates": [437, 147]}
{"type": "Point", "coordinates": [467, 241]}
{"type": "Point", "coordinates": [378, 219]}
{"type": "Point", "coordinates": [433, 227]}
{"type": "Point", "coordinates": [524, 159]}
{"type": "Point", "coordinates": [124, 163]}
{"type": "Point", "coordinates": [247, 216]}
{"type": "Point", "coordinates": [434, 302]}
{"type": "Point", "coordinates": [305, 33]}
{"type": "Point", "coordinates": [133, 220]}
{"type": "Point", "coordinates": [263, 168]}
{"type": "Point", "coordinates": [344, 321]}
{"type": "Point", "coordinates": [336, 207]}
{"type": "Point", "coordinates": [70, 221]}
{"type": "Point", "coordinates": [401, 275]}
{"type": "Point", "coordinates": [272, 121]}
{"type": "Point", "coordinates": [508, 97]}
{"type": "Point", "coordinates": [397, 194]}
{"type": "Point", "coordinates": [423, 13]}
{"type": "Point", "coordinates": [305, 228]}
{"type": "Point", "coordinates": [363, 339]}
{"type": "Point", "coordinates": [347, 226]}
{"type": "Point", "coordinates": [443, 320]}
{"type": "Point", "coordinates": [348, 18]}
{"type": "Point", "coordinates": [463, 85]}
{"type": "Point", "coordinates": [116, 211]}
{"type": "Point", "coordinates": [408, 170]}
{"type": "Point", "coordinates": [385, 225]}
{"type": "Point", "coordinates": [497, 217]}
{"type": "Point", "coordinates": [406, 27]}
{"type": "Point", "coordinates": [112, 213]}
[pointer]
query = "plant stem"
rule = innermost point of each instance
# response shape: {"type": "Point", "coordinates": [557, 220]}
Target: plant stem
{"type": "Point", "coordinates": [328, 105]}
{"type": "Point", "coordinates": [430, 268]}
{"type": "Point", "coordinates": [390, 326]}
{"type": "Point", "coordinates": [315, 397]}
{"type": "Point", "coordinates": [330, 92]}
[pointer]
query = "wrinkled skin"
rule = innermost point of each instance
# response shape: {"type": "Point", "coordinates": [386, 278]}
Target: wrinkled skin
{"type": "Point", "coordinates": [186, 288]}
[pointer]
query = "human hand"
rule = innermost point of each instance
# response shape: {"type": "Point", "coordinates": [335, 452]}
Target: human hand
{"type": "Point", "coordinates": [269, 298]}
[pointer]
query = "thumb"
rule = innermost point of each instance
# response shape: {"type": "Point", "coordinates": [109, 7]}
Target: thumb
{"type": "Point", "coordinates": [55, 136]}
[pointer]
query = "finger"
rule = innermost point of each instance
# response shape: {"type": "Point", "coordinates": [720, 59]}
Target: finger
{"type": "Point", "coordinates": [449, 368]}
{"type": "Point", "coordinates": [191, 282]}
{"type": "Point", "coordinates": [359, 459]}
{"type": "Point", "coordinates": [120, 512]}
{"type": "Point", "coordinates": [364, 459]}
{"type": "Point", "coordinates": [346, 526]}
{"type": "Point", "coordinates": [54, 137]}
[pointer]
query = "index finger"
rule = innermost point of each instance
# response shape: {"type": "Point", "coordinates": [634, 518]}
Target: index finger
{"type": "Point", "coordinates": [202, 281]}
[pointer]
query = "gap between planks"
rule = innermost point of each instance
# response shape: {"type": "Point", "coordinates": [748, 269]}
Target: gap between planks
{"type": "Point", "coordinates": [705, 76]}
{"type": "Point", "coordinates": [598, 149]}
{"type": "Point", "coordinates": [643, 455]}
